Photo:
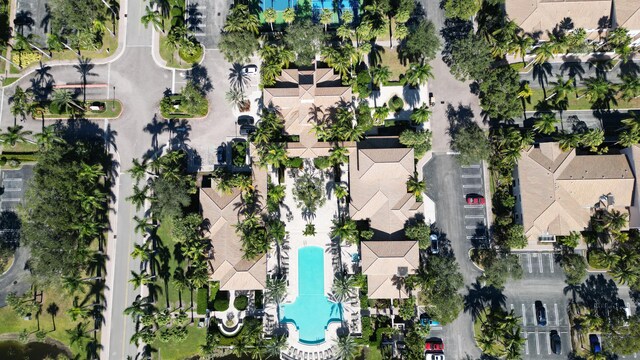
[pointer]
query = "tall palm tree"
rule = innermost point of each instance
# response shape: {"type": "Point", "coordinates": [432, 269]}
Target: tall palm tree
{"type": "Point", "coordinates": [545, 124]}
{"type": "Point", "coordinates": [615, 220]}
{"type": "Point", "coordinates": [380, 74]}
{"type": "Point", "coordinates": [339, 155]}
{"type": "Point", "coordinates": [344, 32]}
{"type": "Point", "coordinates": [270, 16]}
{"type": "Point", "coordinates": [138, 170]}
{"type": "Point", "coordinates": [521, 44]}
{"type": "Point", "coordinates": [417, 74]}
{"type": "Point", "coordinates": [289, 15]}
{"type": "Point", "coordinates": [77, 310]}
{"type": "Point", "coordinates": [20, 103]}
{"type": "Point", "coordinates": [275, 345]}
{"type": "Point", "coordinates": [73, 284]}
{"type": "Point", "coordinates": [421, 115]}
{"type": "Point", "coordinates": [568, 141]}
{"type": "Point", "coordinates": [543, 53]}
{"type": "Point", "coordinates": [14, 135]}
{"type": "Point", "coordinates": [326, 16]}
{"type": "Point", "coordinates": [346, 229]}
{"type": "Point", "coordinates": [78, 334]}
{"type": "Point", "coordinates": [274, 154]}
{"type": "Point", "coordinates": [347, 349]}
{"type": "Point", "coordinates": [626, 271]}
{"type": "Point", "coordinates": [139, 279]}
{"type": "Point", "coordinates": [343, 287]}
{"type": "Point", "coordinates": [599, 92]}
{"type": "Point", "coordinates": [630, 87]}
{"type": "Point", "coordinates": [276, 291]}
{"type": "Point", "coordinates": [139, 196]}
{"type": "Point", "coordinates": [64, 100]}
{"type": "Point", "coordinates": [48, 137]}
{"type": "Point", "coordinates": [154, 18]}
{"type": "Point", "coordinates": [415, 186]}
{"type": "Point", "coordinates": [140, 252]}
{"type": "Point", "coordinates": [138, 308]}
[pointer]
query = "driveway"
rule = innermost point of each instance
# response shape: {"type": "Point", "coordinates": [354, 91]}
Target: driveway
{"type": "Point", "coordinates": [33, 17]}
{"type": "Point", "coordinates": [13, 183]}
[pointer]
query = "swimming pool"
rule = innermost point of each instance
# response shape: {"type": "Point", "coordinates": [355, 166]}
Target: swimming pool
{"type": "Point", "coordinates": [311, 312]}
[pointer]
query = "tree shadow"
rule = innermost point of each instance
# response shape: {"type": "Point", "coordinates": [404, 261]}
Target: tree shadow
{"type": "Point", "coordinates": [42, 82]}
{"type": "Point", "coordinates": [200, 77]}
{"type": "Point", "coordinates": [479, 297]}
{"type": "Point", "coordinates": [459, 117]}
{"type": "Point", "coordinates": [453, 30]}
{"type": "Point", "coordinates": [44, 23]}
{"type": "Point", "coordinates": [601, 67]}
{"type": "Point", "coordinates": [84, 68]}
{"type": "Point", "coordinates": [601, 296]}
{"type": "Point", "coordinates": [541, 74]}
{"type": "Point", "coordinates": [572, 66]}
{"type": "Point", "coordinates": [194, 17]}
{"type": "Point", "coordinates": [23, 19]}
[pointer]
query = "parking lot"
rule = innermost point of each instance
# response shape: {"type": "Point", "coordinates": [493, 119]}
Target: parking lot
{"type": "Point", "coordinates": [206, 20]}
{"type": "Point", "coordinates": [13, 185]}
{"type": "Point", "coordinates": [540, 265]}
{"type": "Point", "coordinates": [474, 215]}
{"type": "Point", "coordinates": [538, 344]}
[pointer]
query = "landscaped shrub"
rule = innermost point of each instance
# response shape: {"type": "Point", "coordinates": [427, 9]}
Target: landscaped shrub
{"type": "Point", "coordinates": [597, 258]}
{"type": "Point", "coordinates": [239, 153]}
{"type": "Point", "coordinates": [241, 302]}
{"type": "Point", "coordinates": [322, 162]}
{"type": "Point", "coordinates": [367, 328]}
{"type": "Point", "coordinates": [201, 304]}
{"type": "Point", "coordinates": [190, 51]}
{"type": "Point", "coordinates": [396, 103]}
{"type": "Point", "coordinates": [221, 303]}
{"type": "Point", "coordinates": [294, 163]}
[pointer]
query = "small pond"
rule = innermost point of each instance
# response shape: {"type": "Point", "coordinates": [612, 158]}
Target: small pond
{"type": "Point", "coordinates": [33, 351]}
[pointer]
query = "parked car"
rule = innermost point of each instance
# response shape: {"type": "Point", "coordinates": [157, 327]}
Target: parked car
{"type": "Point", "coordinates": [556, 343]}
{"type": "Point", "coordinates": [221, 154]}
{"type": "Point", "coordinates": [246, 130]}
{"type": "Point", "coordinates": [434, 345]}
{"type": "Point", "coordinates": [426, 320]}
{"type": "Point", "coordinates": [245, 120]}
{"type": "Point", "coordinates": [594, 342]}
{"type": "Point", "coordinates": [475, 199]}
{"type": "Point", "coordinates": [428, 356]}
{"type": "Point", "coordinates": [541, 313]}
{"type": "Point", "coordinates": [434, 244]}
{"type": "Point", "coordinates": [250, 69]}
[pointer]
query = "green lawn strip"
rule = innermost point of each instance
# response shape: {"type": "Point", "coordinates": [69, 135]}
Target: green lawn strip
{"type": "Point", "coordinates": [10, 80]}
{"type": "Point", "coordinates": [112, 110]}
{"type": "Point", "coordinates": [389, 57]}
{"type": "Point", "coordinates": [181, 350]}
{"type": "Point", "coordinates": [26, 147]}
{"type": "Point", "coordinates": [164, 233]}
{"type": "Point", "coordinates": [170, 56]}
{"type": "Point", "coordinates": [477, 330]}
{"type": "Point", "coordinates": [581, 103]}
{"type": "Point", "coordinates": [10, 322]}
{"type": "Point", "coordinates": [372, 353]}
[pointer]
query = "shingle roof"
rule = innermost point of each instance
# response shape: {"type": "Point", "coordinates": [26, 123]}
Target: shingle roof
{"type": "Point", "coordinates": [557, 191]}
{"type": "Point", "coordinates": [381, 261]}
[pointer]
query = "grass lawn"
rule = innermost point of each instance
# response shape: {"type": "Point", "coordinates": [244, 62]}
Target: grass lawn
{"type": "Point", "coordinates": [10, 322]}
{"type": "Point", "coordinates": [171, 57]}
{"type": "Point", "coordinates": [112, 111]}
{"type": "Point", "coordinates": [580, 103]}
{"type": "Point", "coordinates": [372, 353]}
{"type": "Point", "coordinates": [10, 80]}
{"type": "Point", "coordinates": [20, 148]}
{"type": "Point", "coordinates": [477, 329]}
{"type": "Point", "coordinates": [184, 350]}
{"type": "Point", "coordinates": [389, 57]}
{"type": "Point", "coordinates": [164, 233]}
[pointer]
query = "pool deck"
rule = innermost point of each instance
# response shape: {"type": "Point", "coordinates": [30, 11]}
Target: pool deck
{"type": "Point", "coordinates": [295, 225]}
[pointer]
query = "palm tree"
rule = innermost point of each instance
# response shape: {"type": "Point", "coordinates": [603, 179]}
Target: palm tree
{"type": "Point", "coordinates": [415, 186]}
{"type": "Point", "coordinates": [521, 44]}
{"type": "Point", "coordinates": [344, 32]}
{"type": "Point", "coordinates": [339, 155]}
{"type": "Point", "coordinates": [543, 53]}
{"type": "Point", "coordinates": [343, 287]}
{"type": "Point", "coordinates": [138, 279]}
{"type": "Point", "coordinates": [347, 349]}
{"type": "Point", "coordinates": [14, 135]}
{"type": "Point", "coordinates": [345, 229]}
{"type": "Point", "coordinates": [235, 97]}
{"type": "Point", "coordinates": [568, 141]}
{"type": "Point", "coordinates": [421, 114]}
{"type": "Point", "coordinates": [78, 334]}
{"type": "Point", "coordinates": [274, 154]}
{"type": "Point", "coordinates": [64, 100]}
{"type": "Point", "coordinates": [545, 124]}
{"type": "Point", "coordinates": [615, 220]}
{"type": "Point", "coordinates": [626, 271]}
{"type": "Point", "coordinates": [599, 92]}
{"type": "Point", "coordinates": [48, 137]}
{"type": "Point", "coordinates": [73, 284]}
{"type": "Point", "coordinates": [270, 16]}
{"type": "Point", "coordinates": [417, 75]}
{"type": "Point", "coordinates": [154, 18]}
{"type": "Point", "coordinates": [140, 252]}
{"type": "Point", "coordinates": [630, 87]}
{"type": "Point", "coordinates": [138, 170]}
{"type": "Point", "coordinates": [380, 75]}
{"type": "Point", "coordinates": [77, 310]}
{"type": "Point", "coordinates": [325, 18]}
{"type": "Point", "coordinates": [20, 103]}
{"type": "Point", "coordinates": [289, 15]}
{"type": "Point", "coordinates": [275, 345]}
{"type": "Point", "coordinates": [180, 282]}
{"type": "Point", "coordinates": [138, 308]}
{"type": "Point", "coordinates": [340, 191]}
{"type": "Point", "coordinates": [139, 196]}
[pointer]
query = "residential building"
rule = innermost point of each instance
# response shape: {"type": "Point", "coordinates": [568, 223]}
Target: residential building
{"type": "Point", "coordinates": [386, 264]}
{"type": "Point", "coordinates": [378, 172]}
{"type": "Point", "coordinates": [596, 17]}
{"type": "Point", "coordinates": [226, 262]}
{"type": "Point", "coordinates": [557, 192]}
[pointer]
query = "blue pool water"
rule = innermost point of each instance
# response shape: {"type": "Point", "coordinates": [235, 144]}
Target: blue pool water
{"type": "Point", "coordinates": [311, 312]}
{"type": "Point", "coordinates": [280, 5]}
{"type": "Point", "coordinates": [277, 5]}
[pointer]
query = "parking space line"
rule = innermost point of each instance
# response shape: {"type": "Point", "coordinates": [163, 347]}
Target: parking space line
{"type": "Point", "coordinates": [471, 227]}
{"type": "Point", "coordinates": [524, 315]}
{"type": "Point", "coordinates": [474, 216]}
{"type": "Point", "coordinates": [530, 266]}
{"type": "Point", "coordinates": [537, 344]}
{"type": "Point", "coordinates": [548, 343]}
{"type": "Point", "coordinates": [471, 166]}
{"type": "Point", "coordinates": [533, 311]}
{"type": "Point", "coordinates": [471, 176]}
{"type": "Point", "coordinates": [472, 186]}
{"type": "Point", "coordinates": [555, 309]}
{"type": "Point", "coordinates": [551, 262]}
{"type": "Point", "coordinates": [526, 343]}
{"type": "Point", "coordinates": [540, 263]}
{"type": "Point", "coordinates": [12, 179]}
{"type": "Point", "coordinates": [12, 189]}
{"type": "Point", "coordinates": [473, 206]}
{"type": "Point", "coordinates": [12, 200]}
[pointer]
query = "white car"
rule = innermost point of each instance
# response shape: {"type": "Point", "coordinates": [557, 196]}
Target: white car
{"type": "Point", "coordinates": [428, 356]}
{"type": "Point", "coordinates": [250, 69]}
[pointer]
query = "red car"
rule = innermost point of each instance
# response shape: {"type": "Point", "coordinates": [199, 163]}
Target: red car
{"type": "Point", "coordinates": [475, 199]}
{"type": "Point", "coordinates": [434, 345]}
